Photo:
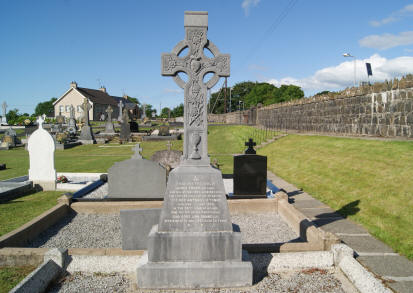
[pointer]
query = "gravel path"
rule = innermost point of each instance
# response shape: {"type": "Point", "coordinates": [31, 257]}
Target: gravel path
{"type": "Point", "coordinates": [99, 192]}
{"type": "Point", "coordinates": [103, 231]}
{"type": "Point", "coordinates": [309, 281]}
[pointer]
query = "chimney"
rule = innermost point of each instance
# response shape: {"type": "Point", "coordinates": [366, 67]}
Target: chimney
{"type": "Point", "coordinates": [73, 84]}
{"type": "Point", "coordinates": [102, 89]}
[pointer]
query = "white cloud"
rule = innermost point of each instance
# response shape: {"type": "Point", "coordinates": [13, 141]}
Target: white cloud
{"type": "Point", "coordinates": [342, 75]}
{"type": "Point", "coordinates": [395, 16]}
{"type": "Point", "coordinates": [387, 41]}
{"type": "Point", "coordinates": [247, 4]}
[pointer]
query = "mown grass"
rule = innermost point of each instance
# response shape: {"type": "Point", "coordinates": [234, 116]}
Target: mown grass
{"type": "Point", "coordinates": [16, 212]}
{"type": "Point", "coordinates": [11, 276]}
{"type": "Point", "coordinates": [340, 171]}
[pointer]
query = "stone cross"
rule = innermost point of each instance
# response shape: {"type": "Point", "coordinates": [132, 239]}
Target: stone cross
{"type": "Point", "coordinates": [138, 151]}
{"type": "Point", "coordinates": [4, 106]}
{"type": "Point", "coordinates": [109, 110]}
{"type": "Point", "coordinates": [250, 144]}
{"type": "Point", "coordinates": [72, 112]}
{"type": "Point", "coordinates": [86, 107]}
{"type": "Point", "coordinates": [120, 105]}
{"type": "Point", "coordinates": [169, 145]}
{"type": "Point", "coordinates": [144, 111]}
{"type": "Point", "coordinates": [40, 121]}
{"type": "Point", "coordinates": [196, 65]}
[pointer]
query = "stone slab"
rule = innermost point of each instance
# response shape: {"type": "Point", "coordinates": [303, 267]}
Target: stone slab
{"type": "Point", "coordinates": [159, 137]}
{"type": "Point", "coordinates": [320, 213]}
{"type": "Point", "coordinates": [136, 225]}
{"type": "Point", "coordinates": [194, 246]}
{"type": "Point", "coordinates": [389, 265]}
{"type": "Point", "coordinates": [308, 203]}
{"type": "Point", "coordinates": [402, 287]}
{"type": "Point", "coordinates": [365, 244]}
{"type": "Point", "coordinates": [137, 178]}
{"type": "Point", "coordinates": [339, 226]}
{"type": "Point", "coordinates": [190, 275]}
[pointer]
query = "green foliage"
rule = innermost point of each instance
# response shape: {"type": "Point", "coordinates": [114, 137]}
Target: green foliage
{"type": "Point", "coordinates": [149, 110]}
{"type": "Point", "coordinates": [45, 108]}
{"type": "Point", "coordinates": [252, 94]}
{"type": "Point", "coordinates": [165, 112]}
{"type": "Point", "coordinates": [12, 116]}
{"type": "Point", "coordinates": [178, 111]}
{"type": "Point", "coordinates": [133, 100]}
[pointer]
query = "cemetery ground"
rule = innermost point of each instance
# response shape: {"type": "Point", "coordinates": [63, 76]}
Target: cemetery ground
{"type": "Point", "coordinates": [367, 181]}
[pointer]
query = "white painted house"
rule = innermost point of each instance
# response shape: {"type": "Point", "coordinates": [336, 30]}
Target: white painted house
{"type": "Point", "coordinates": [98, 99]}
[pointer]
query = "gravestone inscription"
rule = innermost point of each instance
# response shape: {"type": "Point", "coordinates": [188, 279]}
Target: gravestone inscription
{"type": "Point", "coordinates": [194, 244]}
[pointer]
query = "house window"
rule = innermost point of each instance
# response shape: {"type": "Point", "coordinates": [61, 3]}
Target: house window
{"type": "Point", "coordinates": [61, 109]}
{"type": "Point", "coordinates": [67, 108]}
{"type": "Point", "coordinates": [79, 108]}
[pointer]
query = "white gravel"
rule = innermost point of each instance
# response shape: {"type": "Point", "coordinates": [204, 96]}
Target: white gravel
{"type": "Point", "coordinates": [103, 231]}
{"type": "Point", "coordinates": [309, 281]}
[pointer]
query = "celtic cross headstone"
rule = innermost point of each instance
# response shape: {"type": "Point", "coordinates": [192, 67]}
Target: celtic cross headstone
{"type": "Point", "coordinates": [195, 65]}
{"type": "Point", "coordinates": [86, 133]}
{"type": "Point", "coordinates": [109, 127]}
{"type": "Point", "coordinates": [120, 105]}
{"type": "Point", "coordinates": [109, 110]}
{"type": "Point", "coordinates": [194, 244]}
{"type": "Point", "coordinates": [86, 107]}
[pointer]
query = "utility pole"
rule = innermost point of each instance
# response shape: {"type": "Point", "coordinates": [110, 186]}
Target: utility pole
{"type": "Point", "coordinates": [225, 96]}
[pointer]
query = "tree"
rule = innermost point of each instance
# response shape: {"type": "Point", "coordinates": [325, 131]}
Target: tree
{"type": "Point", "coordinates": [45, 108]}
{"type": "Point", "coordinates": [165, 112]}
{"type": "Point", "coordinates": [12, 116]}
{"type": "Point", "coordinates": [133, 100]}
{"type": "Point", "coordinates": [149, 110]}
{"type": "Point", "coordinates": [178, 111]}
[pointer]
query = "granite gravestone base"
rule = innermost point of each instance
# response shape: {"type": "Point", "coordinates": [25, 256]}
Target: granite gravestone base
{"type": "Point", "coordinates": [136, 178]}
{"type": "Point", "coordinates": [194, 245]}
{"type": "Point", "coordinates": [86, 135]}
{"type": "Point", "coordinates": [250, 176]}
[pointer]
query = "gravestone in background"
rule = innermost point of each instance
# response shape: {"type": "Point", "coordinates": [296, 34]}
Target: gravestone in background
{"type": "Point", "coordinates": [250, 173]}
{"type": "Point", "coordinates": [163, 130]}
{"type": "Point", "coordinates": [109, 128]}
{"type": "Point", "coordinates": [10, 137]}
{"type": "Point", "coordinates": [133, 126]}
{"type": "Point", "coordinates": [120, 105]}
{"type": "Point", "coordinates": [136, 178]}
{"type": "Point", "coordinates": [194, 245]}
{"type": "Point", "coordinates": [86, 133]}
{"type": "Point", "coordinates": [4, 117]}
{"type": "Point", "coordinates": [72, 128]}
{"type": "Point", "coordinates": [60, 119]}
{"type": "Point", "coordinates": [41, 147]}
{"type": "Point", "coordinates": [124, 126]}
{"type": "Point", "coordinates": [170, 159]}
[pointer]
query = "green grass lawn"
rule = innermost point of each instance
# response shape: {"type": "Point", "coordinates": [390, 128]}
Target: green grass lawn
{"type": "Point", "coordinates": [338, 171]}
{"type": "Point", "coordinates": [11, 276]}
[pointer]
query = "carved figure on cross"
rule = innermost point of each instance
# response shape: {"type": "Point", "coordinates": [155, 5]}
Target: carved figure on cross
{"type": "Point", "coordinates": [250, 144]}
{"type": "Point", "coordinates": [109, 110]}
{"type": "Point", "coordinates": [196, 65]}
{"type": "Point", "coordinates": [86, 107]}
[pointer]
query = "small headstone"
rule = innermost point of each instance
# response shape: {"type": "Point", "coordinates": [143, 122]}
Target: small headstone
{"type": "Point", "coordinates": [250, 173]}
{"type": "Point", "coordinates": [164, 130]}
{"type": "Point", "coordinates": [10, 137]}
{"type": "Point", "coordinates": [170, 159]}
{"type": "Point", "coordinates": [86, 133]}
{"type": "Point", "coordinates": [137, 178]}
{"type": "Point", "coordinates": [41, 147]}
{"type": "Point", "coordinates": [4, 117]}
{"type": "Point", "coordinates": [2, 166]}
{"type": "Point", "coordinates": [120, 105]}
{"type": "Point", "coordinates": [109, 128]}
{"type": "Point", "coordinates": [124, 127]}
{"type": "Point", "coordinates": [72, 128]}
{"type": "Point", "coordinates": [133, 126]}
{"type": "Point", "coordinates": [60, 119]}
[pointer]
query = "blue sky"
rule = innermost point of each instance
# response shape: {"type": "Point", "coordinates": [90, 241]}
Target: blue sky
{"type": "Point", "coordinates": [44, 45]}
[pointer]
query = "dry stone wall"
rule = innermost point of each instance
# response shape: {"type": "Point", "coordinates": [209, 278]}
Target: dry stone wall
{"type": "Point", "coordinates": [383, 109]}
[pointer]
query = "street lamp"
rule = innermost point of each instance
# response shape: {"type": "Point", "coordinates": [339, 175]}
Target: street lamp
{"type": "Point", "coordinates": [354, 58]}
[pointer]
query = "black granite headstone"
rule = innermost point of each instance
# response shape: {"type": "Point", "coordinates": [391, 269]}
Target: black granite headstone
{"type": "Point", "coordinates": [134, 127]}
{"type": "Point", "coordinates": [250, 175]}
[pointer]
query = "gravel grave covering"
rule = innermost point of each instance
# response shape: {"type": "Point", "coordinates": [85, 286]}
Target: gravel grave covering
{"type": "Point", "coordinates": [82, 282]}
{"type": "Point", "coordinates": [103, 231]}
{"type": "Point", "coordinates": [99, 192]}
{"type": "Point", "coordinates": [309, 281]}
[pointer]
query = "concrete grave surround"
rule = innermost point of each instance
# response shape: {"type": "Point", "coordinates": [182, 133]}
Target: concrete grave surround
{"type": "Point", "coordinates": [41, 147]}
{"type": "Point", "coordinates": [137, 178]}
{"type": "Point", "coordinates": [194, 245]}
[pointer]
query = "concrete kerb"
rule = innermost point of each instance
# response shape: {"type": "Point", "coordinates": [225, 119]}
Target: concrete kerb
{"type": "Point", "coordinates": [38, 280]}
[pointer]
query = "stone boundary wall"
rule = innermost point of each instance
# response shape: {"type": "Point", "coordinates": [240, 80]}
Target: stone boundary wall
{"type": "Point", "coordinates": [382, 109]}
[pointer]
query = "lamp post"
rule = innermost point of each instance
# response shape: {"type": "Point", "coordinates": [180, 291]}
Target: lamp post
{"type": "Point", "coordinates": [354, 58]}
